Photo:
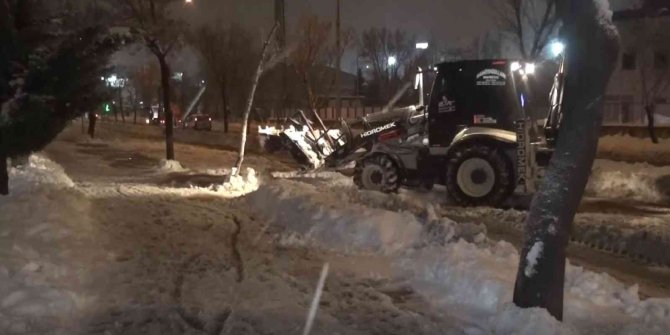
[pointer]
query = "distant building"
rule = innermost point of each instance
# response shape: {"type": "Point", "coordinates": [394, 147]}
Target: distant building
{"type": "Point", "coordinates": [274, 85]}
{"type": "Point", "coordinates": [624, 101]}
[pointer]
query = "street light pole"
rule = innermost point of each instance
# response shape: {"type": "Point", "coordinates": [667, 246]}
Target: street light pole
{"type": "Point", "coordinates": [280, 17]}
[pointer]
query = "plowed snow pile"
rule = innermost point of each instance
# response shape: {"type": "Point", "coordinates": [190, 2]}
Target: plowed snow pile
{"type": "Point", "coordinates": [473, 282]}
{"type": "Point", "coordinates": [36, 223]}
{"type": "Point", "coordinates": [640, 181]}
{"type": "Point", "coordinates": [314, 214]}
{"type": "Point", "coordinates": [167, 166]}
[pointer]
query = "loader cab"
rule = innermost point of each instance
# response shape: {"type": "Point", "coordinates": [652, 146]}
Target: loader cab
{"type": "Point", "coordinates": [465, 94]}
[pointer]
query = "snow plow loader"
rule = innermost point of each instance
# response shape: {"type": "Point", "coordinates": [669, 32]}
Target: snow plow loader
{"type": "Point", "coordinates": [471, 133]}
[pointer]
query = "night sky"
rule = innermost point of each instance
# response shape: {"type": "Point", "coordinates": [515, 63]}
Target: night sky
{"type": "Point", "coordinates": [449, 22]}
{"type": "Point", "coordinates": [444, 19]}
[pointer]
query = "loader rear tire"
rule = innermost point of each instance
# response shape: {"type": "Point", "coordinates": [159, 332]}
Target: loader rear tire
{"type": "Point", "coordinates": [377, 173]}
{"type": "Point", "coordinates": [479, 175]}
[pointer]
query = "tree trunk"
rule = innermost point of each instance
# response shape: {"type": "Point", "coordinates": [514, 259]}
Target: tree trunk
{"type": "Point", "coordinates": [226, 113]}
{"type": "Point", "coordinates": [250, 101]}
{"type": "Point", "coordinates": [21, 160]}
{"type": "Point", "coordinates": [590, 59]}
{"type": "Point", "coordinates": [4, 175]}
{"type": "Point", "coordinates": [92, 118]}
{"type": "Point", "coordinates": [169, 122]}
{"type": "Point", "coordinates": [123, 112]}
{"type": "Point", "coordinates": [650, 110]}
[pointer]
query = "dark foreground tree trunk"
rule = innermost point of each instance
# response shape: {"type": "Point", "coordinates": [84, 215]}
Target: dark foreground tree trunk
{"type": "Point", "coordinates": [650, 109]}
{"type": "Point", "coordinates": [4, 176]}
{"type": "Point", "coordinates": [92, 118]}
{"type": "Point", "coordinates": [169, 120]}
{"type": "Point", "coordinates": [591, 54]}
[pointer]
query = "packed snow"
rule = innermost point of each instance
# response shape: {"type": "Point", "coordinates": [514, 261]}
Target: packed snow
{"type": "Point", "coordinates": [42, 195]}
{"type": "Point", "coordinates": [451, 265]}
{"type": "Point", "coordinates": [167, 166]}
{"type": "Point", "coordinates": [310, 212]}
{"type": "Point", "coordinates": [638, 181]}
{"type": "Point", "coordinates": [473, 281]}
{"type": "Point", "coordinates": [239, 183]}
{"type": "Point", "coordinates": [531, 259]}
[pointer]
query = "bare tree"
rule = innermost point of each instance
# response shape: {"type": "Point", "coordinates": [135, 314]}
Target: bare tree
{"type": "Point", "coordinates": [250, 101]}
{"type": "Point", "coordinates": [153, 23]}
{"type": "Point", "coordinates": [310, 53]}
{"type": "Point", "coordinates": [226, 53]}
{"type": "Point", "coordinates": [389, 53]}
{"type": "Point", "coordinates": [143, 79]}
{"type": "Point", "coordinates": [651, 36]}
{"type": "Point", "coordinates": [532, 21]}
{"type": "Point", "coordinates": [590, 58]}
{"type": "Point", "coordinates": [315, 60]}
{"type": "Point", "coordinates": [133, 96]}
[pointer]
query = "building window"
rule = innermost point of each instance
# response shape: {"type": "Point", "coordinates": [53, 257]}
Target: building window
{"type": "Point", "coordinates": [628, 61]}
{"type": "Point", "coordinates": [660, 59]}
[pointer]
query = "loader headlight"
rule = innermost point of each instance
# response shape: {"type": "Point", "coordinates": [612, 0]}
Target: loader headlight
{"type": "Point", "coordinates": [557, 48]}
{"type": "Point", "coordinates": [530, 68]}
{"type": "Point", "coordinates": [516, 66]}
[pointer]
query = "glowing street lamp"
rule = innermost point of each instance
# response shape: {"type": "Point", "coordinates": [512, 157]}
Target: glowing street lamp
{"type": "Point", "coordinates": [422, 45]}
{"type": "Point", "coordinates": [392, 61]}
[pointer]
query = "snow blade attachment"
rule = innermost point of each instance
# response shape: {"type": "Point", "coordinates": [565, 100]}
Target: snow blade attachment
{"type": "Point", "coordinates": [310, 146]}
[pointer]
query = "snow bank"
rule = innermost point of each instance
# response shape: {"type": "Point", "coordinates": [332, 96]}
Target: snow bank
{"type": "Point", "coordinates": [476, 283]}
{"type": "Point", "coordinates": [39, 172]}
{"type": "Point", "coordinates": [239, 184]}
{"type": "Point", "coordinates": [326, 219]}
{"type": "Point", "coordinates": [640, 181]}
{"type": "Point", "coordinates": [472, 281]}
{"type": "Point", "coordinates": [34, 234]}
{"type": "Point", "coordinates": [169, 166]}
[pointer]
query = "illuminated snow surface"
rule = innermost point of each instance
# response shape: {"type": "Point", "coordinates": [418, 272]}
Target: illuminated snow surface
{"type": "Point", "coordinates": [471, 281]}
{"type": "Point", "coordinates": [108, 256]}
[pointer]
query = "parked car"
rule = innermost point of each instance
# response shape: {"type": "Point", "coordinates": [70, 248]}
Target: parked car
{"type": "Point", "coordinates": [199, 122]}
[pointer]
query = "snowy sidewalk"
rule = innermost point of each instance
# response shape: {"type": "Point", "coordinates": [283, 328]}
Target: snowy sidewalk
{"type": "Point", "coordinates": [110, 255]}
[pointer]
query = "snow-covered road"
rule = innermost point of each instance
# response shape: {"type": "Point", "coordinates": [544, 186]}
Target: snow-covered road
{"type": "Point", "coordinates": [111, 243]}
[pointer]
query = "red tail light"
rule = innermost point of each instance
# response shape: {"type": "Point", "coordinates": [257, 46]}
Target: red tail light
{"type": "Point", "coordinates": [390, 135]}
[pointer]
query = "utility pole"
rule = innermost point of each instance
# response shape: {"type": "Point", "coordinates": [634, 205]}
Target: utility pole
{"type": "Point", "coordinates": [280, 17]}
{"type": "Point", "coordinates": [338, 86]}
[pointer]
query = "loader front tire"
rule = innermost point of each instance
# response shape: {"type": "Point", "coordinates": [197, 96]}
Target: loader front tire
{"type": "Point", "coordinates": [377, 173]}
